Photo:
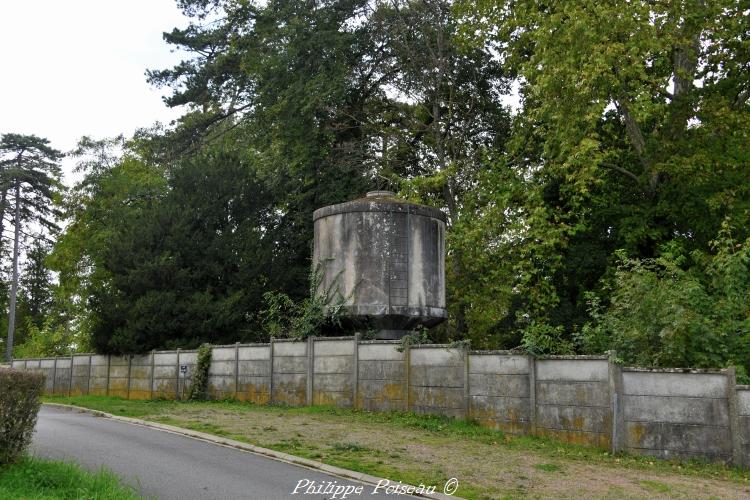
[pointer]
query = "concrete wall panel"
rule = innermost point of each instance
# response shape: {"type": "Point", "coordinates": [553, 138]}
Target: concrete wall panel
{"type": "Point", "coordinates": [433, 356]}
{"type": "Point", "coordinates": [99, 360]}
{"type": "Point", "coordinates": [290, 388]}
{"type": "Point", "coordinates": [255, 389]}
{"type": "Point", "coordinates": [680, 410]}
{"type": "Point", "coordinates": [696, 385]}
{"type": "Point", "coordinates": [165, 371]}
{"type": "Point", "coordinates": [333, 364]}
{"type": "Point", "coordinates": [743, 401]}
{"type": "Point", "coordinates": [290, 349]}
{"type": "Point", "coordinates": [498, 364]}
{"type": "Point", "coordinates": [381, 370]}
{"type": "Point", "coordinates": [289, 364]}
{"type": "Point", "coordinates": [505, 413]}
{"type": "Point", "coordinates": [222, 368]}
{"type": "Point", "coordinates": [488, 384]}
{"type": "Point", "coordinates": [658, 437]}
{"type": "Point", "coordinates": [436, 397]}
{"type": "Point", "coordinates": [222, 354]}
{"type": "Point", "coordinates": [437, 376]}
{"type": "Point", "coordinates": [254, 353]}
{"type": "Point", "coordinates": [81, 360]}
{"type": "Point", "coordinates": [572, 369]}
{"type": "Point", "coordinates": [568, 393]}
{"type": "Point", "coordinates": [574, 418]}
{"type": "Point", "coordinates": [255, 368]}
{"type": "Point", "coordinates": [189, 357]}
{"type": "Point", "coordinates": [334, 348]}
{"type": "Point", "coordinates": [385, 352]}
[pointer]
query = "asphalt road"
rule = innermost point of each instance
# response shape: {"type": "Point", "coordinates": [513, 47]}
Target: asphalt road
{"type": "Point", "coordinates": [166, 466]}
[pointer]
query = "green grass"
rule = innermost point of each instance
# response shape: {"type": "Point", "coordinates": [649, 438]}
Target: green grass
{"type": "Point", "coordinates": [548, 467]}
{"type": "Point", "coordinates": [37, 479]}
{"type": "Point", "coordinates": [656, 486]}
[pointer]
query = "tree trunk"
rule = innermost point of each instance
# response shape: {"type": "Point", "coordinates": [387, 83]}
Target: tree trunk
{"type": "Point", "coordinates": [14, 287]}
{"type": "Point", "coordinates": [2, 216]}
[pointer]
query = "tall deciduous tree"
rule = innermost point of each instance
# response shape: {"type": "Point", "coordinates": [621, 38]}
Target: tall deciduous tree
{"type": "Point", "coordinates": [632, 135]}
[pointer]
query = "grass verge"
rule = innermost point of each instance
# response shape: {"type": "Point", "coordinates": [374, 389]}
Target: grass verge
{"type": "Point", "coordinates": [35, 479]}
{"type": "Point", "coordinates": [430, 449]}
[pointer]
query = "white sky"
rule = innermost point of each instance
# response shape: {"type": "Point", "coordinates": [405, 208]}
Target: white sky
{"type": "Point", "coordinates": [76, 67]}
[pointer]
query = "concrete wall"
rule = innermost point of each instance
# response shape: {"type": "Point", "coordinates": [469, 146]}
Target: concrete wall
{"type": "Point", "coordinates": [381, 376]}
{"type": "Point", "coordinates": [674, 414]}
{"type": "Point", "coordinates": [500, 390]}
{"type": "Point", "coordinates": [289, 372]}
{"type": "Point", "coordinates": [334, 377]}
{"type": "Point", "coordinates": [437, 378]}
{"type": "Point", "coordinates": [665, 413]}
{"type": "Point", "coordinates": [573, 400]}
{"type": "Point", "coordinates": [254, 373]}
{"type": "Point", "coordinates": [140, 377]}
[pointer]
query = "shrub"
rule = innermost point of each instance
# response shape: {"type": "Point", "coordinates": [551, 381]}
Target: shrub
{"type": "Point", "coordinates": [19, 405]}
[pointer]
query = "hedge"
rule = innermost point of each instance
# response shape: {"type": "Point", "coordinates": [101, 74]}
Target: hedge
{"type": "Point", "coordinates": [19, 405]}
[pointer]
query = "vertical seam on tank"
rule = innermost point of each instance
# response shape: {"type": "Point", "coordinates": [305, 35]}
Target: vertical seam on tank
{"type": "Point", "coordinates": [408, 252]}
{"type": "Point", "coordinates": [389, 258]}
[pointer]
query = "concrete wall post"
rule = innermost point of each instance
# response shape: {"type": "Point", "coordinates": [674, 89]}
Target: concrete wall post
{"type": "Point", "coordinates": [54, 376]}
{"type": "Point", "coordinates": [70, 380]}
{"type": "Point", "coordinates": [467, 405]}
{"type": "Point", "coordinates": [532, 394]}
{"type": "Point", "coordinates": [616, 402]}
{"type": "Point", "coordinates": [109, 362]}
{"type": "Point", "coordinates": [151, 384]}
{"type": "Point", "coordinates": [130, 369]}
{"type": "Point", "coordinates": [407, 376]}
{"type": "Point", "coordinates": [88, 378]}
{"type": "Point", "coordinates": [734, 417]}
{"type": "Point", "coordinates": [355, 373]}
{"type": "Point", "coordinates": [310, 368]}
{"type": "Point", "coordinates": [270, 371]}
{"type": "Point", "coordinates": [177, 372]}
{"type": "Point", "coordinates": [236, 369]}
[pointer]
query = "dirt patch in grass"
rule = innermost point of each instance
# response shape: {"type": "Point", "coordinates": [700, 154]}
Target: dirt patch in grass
{"type": "Point", "coordinates": [430, 450]}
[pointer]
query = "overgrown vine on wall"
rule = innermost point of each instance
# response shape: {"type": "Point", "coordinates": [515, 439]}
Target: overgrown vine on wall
{"type": "Point", "coordinates": [199, 389]}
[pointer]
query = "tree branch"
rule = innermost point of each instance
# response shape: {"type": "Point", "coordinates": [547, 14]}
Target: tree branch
{"type": "Point", "coordinates": [621, 170]}
{"type": "Point", "coordinates": [634, 131]}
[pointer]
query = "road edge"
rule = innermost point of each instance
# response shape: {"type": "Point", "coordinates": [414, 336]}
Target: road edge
{"type": "Point", "coordinates": [251, 448]}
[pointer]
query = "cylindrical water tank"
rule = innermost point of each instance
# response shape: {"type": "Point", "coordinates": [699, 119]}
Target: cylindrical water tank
{"type": "Point", "coordinates": [386, 258]}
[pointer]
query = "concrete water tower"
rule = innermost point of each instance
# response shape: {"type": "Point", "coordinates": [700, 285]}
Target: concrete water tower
{"type": "Point", "coordinates": [387, 258]}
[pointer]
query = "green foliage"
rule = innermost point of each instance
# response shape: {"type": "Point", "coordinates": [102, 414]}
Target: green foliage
{"type": "Point", "coordinates": [19, 405]}
{"type": "Point", "coordinates": [688, 309]}
{"type": "Point", "coordinates": [49, 340]}
{"type": "Point", "coordinates": [36, 292]}
{"type": "Point", "coordinates": [628, 137]}
{"type": "Point", "coordinates": [199, 389]}
{"type": "Point", "coordinates": [316, 314]}
{"type": "Point", "coordinates": [36, 478]}
{"type": "Point", "coordinates": [415, 337]}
